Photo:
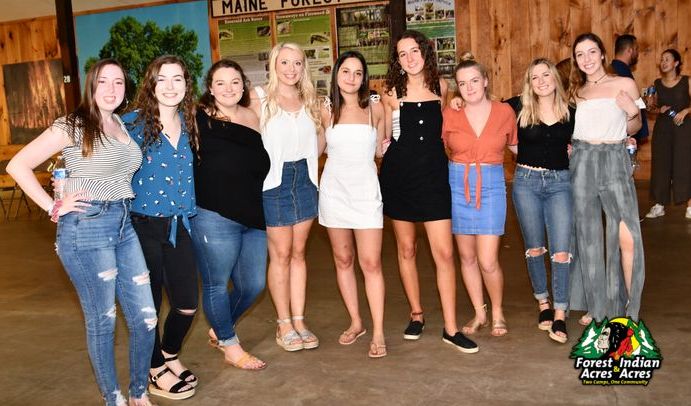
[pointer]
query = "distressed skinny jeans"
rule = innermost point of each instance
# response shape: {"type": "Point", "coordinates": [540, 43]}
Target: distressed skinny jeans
{"type": "Point", "coordinates": [543, 202]}
{"type": "Point", "coordinates": [601, 180]}
{"type": "Point", "coordinates": [102, 257]}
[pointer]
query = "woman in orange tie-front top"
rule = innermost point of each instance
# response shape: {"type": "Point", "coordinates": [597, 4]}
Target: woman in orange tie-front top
{"type": "Point", "coordinates": [475, 137]}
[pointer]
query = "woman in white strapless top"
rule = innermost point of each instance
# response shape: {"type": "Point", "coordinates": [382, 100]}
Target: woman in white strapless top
{"type": "Point", "coordinates": [607, 109]}
{"type": "Point", "coordinates": [350, 202]}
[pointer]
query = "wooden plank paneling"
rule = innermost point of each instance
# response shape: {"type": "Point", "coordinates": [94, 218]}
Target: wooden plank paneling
{"type": "Point", "coordinates": [500, 64]}
{"type": "Point", "coordinates": [539, 31]}
{"type": "Point", "coordinates": [462, 26]}
{"type": "Point", "coordinates": [602, 24]}
{"type": "Point", "coordinates": [559, 29]}
{"type": "Point", "coordinates": [644, 29]}
{"type": "Point", "coordinates": [580, 12]}
{"type": "Point", "coordinates": [684, 32]}
{"type": "Point", "coordinates": [520, 45]}
{"type": "Point", "coordinates": [622, 17]}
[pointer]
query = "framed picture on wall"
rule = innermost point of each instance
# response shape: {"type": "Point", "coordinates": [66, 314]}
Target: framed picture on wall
{"type": "Point", "coordinates": [366, 29]}
{"type": "Point", "coordinates": [35, 97]}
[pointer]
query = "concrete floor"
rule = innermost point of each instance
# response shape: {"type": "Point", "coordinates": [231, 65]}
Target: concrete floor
{"type": "Point", "coordinates": [44, 361]}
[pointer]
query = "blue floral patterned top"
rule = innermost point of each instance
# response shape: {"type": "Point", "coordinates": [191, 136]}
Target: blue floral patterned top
{"type": "Point", "coordinates": [164, 185]}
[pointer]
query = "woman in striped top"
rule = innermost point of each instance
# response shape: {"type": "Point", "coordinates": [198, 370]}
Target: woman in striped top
{"type": "Point", "coordinates": [95, 239]}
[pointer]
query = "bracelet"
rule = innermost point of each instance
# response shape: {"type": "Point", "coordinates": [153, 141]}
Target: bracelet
{"type": "Point", "coordinates": [54, 213]}
{"type": "Point", "coordinates": [629, 118]}
{"type": "Point", "coordinates": [50, 208]}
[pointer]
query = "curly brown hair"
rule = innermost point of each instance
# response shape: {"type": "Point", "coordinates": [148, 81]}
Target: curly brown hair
{"type": "Point", "coordinates": [145, 101]}
{"type": "Point", "coordinates": [396, 77]}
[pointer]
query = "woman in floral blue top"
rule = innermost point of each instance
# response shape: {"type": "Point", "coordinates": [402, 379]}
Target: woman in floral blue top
{"type": "Point", "coordinates": [163, 124]}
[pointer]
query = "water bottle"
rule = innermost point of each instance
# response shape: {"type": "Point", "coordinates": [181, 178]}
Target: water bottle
{"type": "Point", "coordinates": [59, 178]}
{"type": "Point", "coordinates": [633, 155]}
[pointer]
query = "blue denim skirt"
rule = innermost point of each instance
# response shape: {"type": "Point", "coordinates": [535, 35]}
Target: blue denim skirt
{"type": "Point", "coordinates": [294, 200]}
{"type": "Point", "coordinates": [466, 218]}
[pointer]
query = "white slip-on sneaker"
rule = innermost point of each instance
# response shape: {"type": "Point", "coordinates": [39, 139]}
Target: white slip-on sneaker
{"type": "Point", "coordinates": [688, 213]}
{"type": "Point", "coordinates": [657, 210]}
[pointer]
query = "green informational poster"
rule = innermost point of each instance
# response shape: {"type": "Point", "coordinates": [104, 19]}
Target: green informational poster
{"type": "Point", "coordinates": [437, 20]}
{"type": "Point", "coordinates": [366, 29]}
{"type": "Point", "coordinates": [247, 41]}
{"type": "Point", "coordinates": [312, 31]}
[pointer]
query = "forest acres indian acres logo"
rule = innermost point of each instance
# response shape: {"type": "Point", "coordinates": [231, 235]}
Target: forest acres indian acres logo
{"type": "Point", "coordinates": [616, 352]}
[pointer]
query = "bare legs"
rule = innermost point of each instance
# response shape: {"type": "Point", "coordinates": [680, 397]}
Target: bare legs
{"type": "Point", "coordinates": [480, 262]}
{"type": "Point", "coordinates": [441, 245]}
{"type": "Point", "coordinates": [368, 243]}
{"type": "Point", "coordinates": [287, 275]}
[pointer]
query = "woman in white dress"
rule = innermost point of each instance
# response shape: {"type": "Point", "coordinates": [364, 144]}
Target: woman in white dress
{"type": "Point", "coordinates": [350, 202]}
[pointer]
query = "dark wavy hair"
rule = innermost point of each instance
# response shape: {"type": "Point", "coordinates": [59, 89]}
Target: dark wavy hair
{"type": "Point", "coordinates": [85, 120]}
{"type": "Point", "coordinates": [676, 56]}
{"type": "Point", "coordinates": [578, 78]}
{"type": "Point", "coordinates": [399, 81]}
{"type": "Point", "coordinates": [145, 101]}
{"type": "Point", "coordinates": [208, 101]}
{"type": "Point", "coordinates": [363, 91]}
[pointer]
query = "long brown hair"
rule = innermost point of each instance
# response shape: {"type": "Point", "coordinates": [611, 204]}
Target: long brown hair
{"type": "Point", "coordinates": [396, 78]}
{"type": "Point", "coordinates": [578, 79]}
{"type": "Point", "coordinates": [363, 91]}
{"type": "Point", "coordinates": [85, 121]}
{"type": "Point", "coordinates": [145, 101]}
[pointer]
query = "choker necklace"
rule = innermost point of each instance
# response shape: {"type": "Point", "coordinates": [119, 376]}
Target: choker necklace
{"type": "Point", "coordinates": [598, 81]}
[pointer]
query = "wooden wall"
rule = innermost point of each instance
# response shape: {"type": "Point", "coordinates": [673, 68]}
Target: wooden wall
{"type": "Point", "coordinates": [24, 41]}
{"type": "Point", "coordinates": [504, 34]}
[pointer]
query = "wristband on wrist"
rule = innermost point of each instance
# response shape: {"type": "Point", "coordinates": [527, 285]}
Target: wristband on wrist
{"type": "Point", "coordinates": [629, 118]}
{"type": "Point", "coordinates": [50, 208]}
{"type": "Point", "coordinates": [55, 209]}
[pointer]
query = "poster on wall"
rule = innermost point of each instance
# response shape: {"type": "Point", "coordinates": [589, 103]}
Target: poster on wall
{"type": "Point", "coordinates": [437, 20]}
{"type": "Point", "coordinates": [247, 41]}
{"type": "Point", "coordinates": [312, 31]}
{"type": "Point", "coordinates": [135, 36]}
{"type": "Point", "coordinates": [35, 97]}
{"type": "Point", "coordinates": [366, 29]}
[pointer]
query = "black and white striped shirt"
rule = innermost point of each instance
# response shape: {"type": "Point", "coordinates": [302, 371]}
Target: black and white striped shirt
{"type": "Point", "coordinates": [106, 174]}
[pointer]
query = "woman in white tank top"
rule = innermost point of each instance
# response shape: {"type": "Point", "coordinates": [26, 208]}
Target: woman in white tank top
{"type": "Point", "coordinates": [601, 176]}
{"type": "Point", "coordinates": [291, 130]}
{"type": "Point", "coordinates": [350, 202]}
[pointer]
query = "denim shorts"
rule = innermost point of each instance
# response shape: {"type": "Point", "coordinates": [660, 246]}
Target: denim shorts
{"type": "Point", "coordinates": [466, 218]}
{"type": "Point", "coordinates": [294, 200]}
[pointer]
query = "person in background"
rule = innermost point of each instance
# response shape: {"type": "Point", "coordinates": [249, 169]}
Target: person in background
{"type": "Point", "coordinates": [671, 149]}
{"type": "Point", "coordinates": [350, 205]}
{"type": "Point", "coordinates": [96, 243]}
{"type": "Point", "coordinates": [607, 109]}
{"type": "Point", "coordinates": [229, 230]}
{"type": "Point", "coordinates": [542, 189]}
{"type": "Point", "coordinates": [414, 178]}
{"type": "Point", "coordinates": [476, 137]}
{"type": "Point", "coordinates": [162, 123]}
{"type": "Point", "coordinates": [625, 58]}
{"type": "Point", "coordinates": [564, 69]}
{"type": "Point", "coordinates": [290, 124]}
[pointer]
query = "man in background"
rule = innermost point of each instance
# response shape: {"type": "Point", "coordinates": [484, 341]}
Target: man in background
{"type": "Point", "coordinates": [625, 57]}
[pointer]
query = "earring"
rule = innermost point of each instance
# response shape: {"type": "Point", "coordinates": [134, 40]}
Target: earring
{"type": "Point", "coordinates": [402, 72]}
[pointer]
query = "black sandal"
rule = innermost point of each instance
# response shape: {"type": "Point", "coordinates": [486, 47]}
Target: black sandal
{"type": "Point", "coordinates": [558, 326]}
{"type": "Point", "coordinates": [185, 374]}
{"type": "Point", "coordinates": [176, 392]}
{"type": "Point", "coordinates": [545, 315]}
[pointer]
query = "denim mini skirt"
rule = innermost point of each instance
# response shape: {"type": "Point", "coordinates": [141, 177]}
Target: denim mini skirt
{"type": "Point", "coordinates": [466, 217]}
{"type": "Point", "coordinates": [294, 200]}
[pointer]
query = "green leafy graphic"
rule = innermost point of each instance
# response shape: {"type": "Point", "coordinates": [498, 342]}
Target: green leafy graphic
{"type": "Point", "coordinates": [587, 348]}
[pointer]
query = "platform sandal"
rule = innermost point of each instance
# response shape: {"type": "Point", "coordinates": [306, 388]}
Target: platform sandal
{"type": "Point", "coordinates": [309, 340]}
{"type": "Point", "coordinates": [559, 326]}
{"type": "Point", "coordinates": [186, 376]}
{"type": "Point", "coordinates": [176, 392]}
{"type": "Point", "coordinates": [546, 315]}
{"type": "Point", "coordinates": [291, 341]}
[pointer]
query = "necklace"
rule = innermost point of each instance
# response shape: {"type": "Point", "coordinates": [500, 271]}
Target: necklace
{"type": "Point", "coordinates": [604, 75]}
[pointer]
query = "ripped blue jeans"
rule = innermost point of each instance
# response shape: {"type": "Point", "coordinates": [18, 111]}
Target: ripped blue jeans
{"type": "Point", "coordinates": [102, 257]}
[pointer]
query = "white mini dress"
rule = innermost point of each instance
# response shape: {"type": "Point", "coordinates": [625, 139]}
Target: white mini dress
{"type": "Point", "coordinates": [349, 195]}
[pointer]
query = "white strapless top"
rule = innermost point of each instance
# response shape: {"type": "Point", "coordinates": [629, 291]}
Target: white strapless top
{"type": "Point", "coordinates": [601, 120]}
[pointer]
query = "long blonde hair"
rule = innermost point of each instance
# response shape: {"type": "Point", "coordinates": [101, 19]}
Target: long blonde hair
{"type": "Point", "coordinates": [530, 113]}
{"type": "Point", "coordinates": [306, 90]}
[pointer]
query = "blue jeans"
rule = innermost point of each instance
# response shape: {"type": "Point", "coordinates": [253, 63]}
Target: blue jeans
{"type": "Point", "coordinates": [543, 201]}
{"type": "Point", "coordinates": [101, 254]}
{"type": "Point", "coordinates": [225, 251]}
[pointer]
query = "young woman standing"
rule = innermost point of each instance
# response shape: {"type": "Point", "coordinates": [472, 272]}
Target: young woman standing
{"type": "Point", "coordinates": [162, 124]}
{"type": "Point", "coordinates": [607, 109]}
{"type": "Point", "coordinates": [350, 203]}
{"type": "Point", "coordinates": [290, 127]}
{"type": "Point", "coordinates": [95, 240]}
{"type": "Point", "coordinates": [414, 178]}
